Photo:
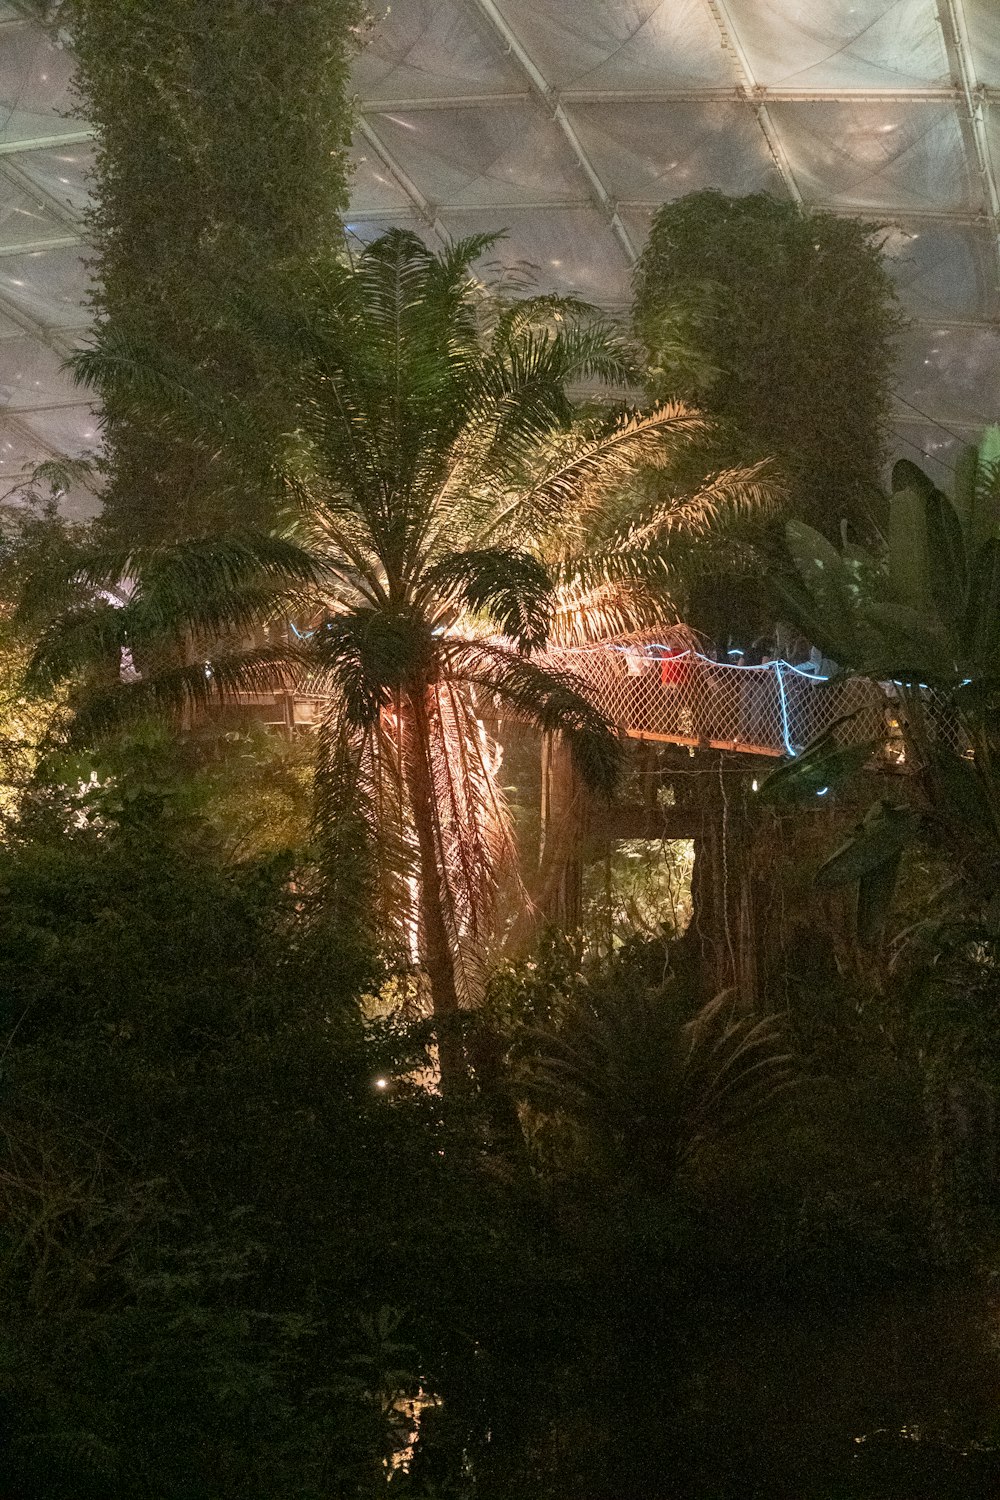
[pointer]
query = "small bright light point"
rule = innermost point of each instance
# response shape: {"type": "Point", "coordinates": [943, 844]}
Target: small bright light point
{"type": "Point", "coordinates": [381, 1083]}
{"type": "Point", "coordinates": [822, 791]}
{"type": "Point", "coordinates": [754, 787]}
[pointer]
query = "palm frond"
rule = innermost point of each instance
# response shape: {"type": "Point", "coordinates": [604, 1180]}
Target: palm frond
{"type": "Point", "coordinates": [120, 364]}
{"type": "Point", "coordinates": [651, 1088]}
{"type": "Point", "coordinates": [754, 492]}
{"type": "Point", "coordinates": [367, 655]}
{"type": "Point", "coordinates": [510, 588]}
{"type": "Point", "coordinates": [550, 700]}
{"type": "Point", "coordinates": [77, 640]}
{"type": "Point", "coordinates": [365, 856]}
{"type": "Point", "coordinates": [588, 465]}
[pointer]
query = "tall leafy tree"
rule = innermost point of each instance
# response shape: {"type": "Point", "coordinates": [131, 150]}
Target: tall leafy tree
{"type": "Point", "coordinates": [434, 441]}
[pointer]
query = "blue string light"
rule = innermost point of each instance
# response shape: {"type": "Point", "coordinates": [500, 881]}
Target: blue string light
{"type": "Point", "coordinates": [786, 733]}
{"type": "Point", "coordinates": [780, 667]}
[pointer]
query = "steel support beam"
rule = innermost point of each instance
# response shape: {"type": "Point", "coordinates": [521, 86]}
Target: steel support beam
{"type": "Point", "coordinates": [753, 94]}
{"type": "Point", "coordinates": [915, 419]}
{"type": "Point", "coordinates": [403, 180]}
{"type": "Point", "coordinates": [48, 142]}
{"type": "Point", "coordinates": [20, 179]}
{"type": "Point", "coordinates": [764, 94]}
{"type": "Point", "coordinates": [27, 435]}
{"type": "Point", "coordinates": [33, 247]}
{"type": "Point", "coordinates": [710, 94]}
{"type": "Point", "coordinates": [50, 337]}
{"type": "Point", "coordinates": [951, 15]}
{"type": "Point", "coordinates": [85, 403]}
{"type": "Point", "coordinates": [553, 103]}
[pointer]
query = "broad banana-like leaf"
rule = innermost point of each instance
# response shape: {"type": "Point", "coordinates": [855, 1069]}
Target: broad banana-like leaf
{"type": "Point", "coordinates": [882, 835]}
{"type": "Point", "coordinates": [957, 783]}
{"type": "Point", "coordinates": [981, 627]}
{"type": "Point", "coordinates": [910, 645]}
{"type": "Point", "coordinates": [800, 609]}
{"type": "Point", "coordinates": [949, 561]}
{"type": "Point", "coordinates": [989, 447]}
{"type": "Point", "coordinates": [824, 765]}
{"type": "Point", "coordinates": [907, 475]}
{"type": "Point", "coordinates": [825, 579]}
{"type": "Point", "coordinates": [963, 490]}
{"type": "Point", "coordinates": [976, 499]}
{"type": "Point", "coordinates": [875, 892]}
{"type": "Point", "coordinates": [909, 552]}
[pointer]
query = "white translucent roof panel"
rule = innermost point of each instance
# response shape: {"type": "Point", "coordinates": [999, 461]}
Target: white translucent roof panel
{"type": "Point", "coordinates": [24, 219]}
{"type": "Point", "coordinates": [935, 448]}
{"type": "Point", "coordinates": [834, 44]}
{"type": "Point", "coordinates": [35, 86]}
{"type": "Point", "coordinates": [62, 173]}
{"type": "Point", "coordinates": [566, 122]}
{"type": "Point", "coordinates": [983, 22]}
{"type": "Point", "coordinates": [19, 453]}
{"type": "Point", "coordinates": [657, 151]}
{"type": "Point", "coordinates": [49, 286]}
{"type": "Point", "coordinates": [944, 271]}
{"type": "Point", "coordinates": [991, 116]}
{"type": "Point", "coordinates": [952, 373]}
{"type": "Point", "coordinates": [567, 249]}
{"type": "Point", "coordinates": [478, 157]}
{"type": "Point", "coordinates": [31, 375]}
{"type": "Point", "coordinates": [878, 155]}
{"type": "Point", "coordinates": [72, 430]}
{"type": "Point", "coordinates": [426, 49]}
{"type": "Point", "coordinates": [620, 44]}
{"type": "Point", "coordinates": [362, 231]}
{"type": "Point", "coordinates": [373, 187]}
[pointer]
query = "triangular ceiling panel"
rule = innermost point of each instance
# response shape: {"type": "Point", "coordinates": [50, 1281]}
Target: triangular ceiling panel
{"type": "Point", "coordinates": [566, 123]}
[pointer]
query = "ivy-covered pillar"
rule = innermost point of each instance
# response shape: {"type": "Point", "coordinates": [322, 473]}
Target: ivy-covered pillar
{"type": "Point", "coordinates": [778, 322]}
{"type": "Point", "coordinates": [222, 141]}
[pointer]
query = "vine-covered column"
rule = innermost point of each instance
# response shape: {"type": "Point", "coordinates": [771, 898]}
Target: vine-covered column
{"type": "Point", "coordinates": [222, 136]}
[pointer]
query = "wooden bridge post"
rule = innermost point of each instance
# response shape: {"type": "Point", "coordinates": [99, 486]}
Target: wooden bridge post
{"type": "Point", "coordinates": [565, 807]}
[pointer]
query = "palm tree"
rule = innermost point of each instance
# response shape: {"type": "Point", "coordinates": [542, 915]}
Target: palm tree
{"type": "Point", "coordinates": [648, 1085]}
{"type": "Point", "coordinates": [435, 440]}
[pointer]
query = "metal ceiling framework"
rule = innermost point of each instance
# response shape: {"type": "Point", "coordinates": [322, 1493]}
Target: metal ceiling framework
{"type": "Point", "coordinates": [566, 122]}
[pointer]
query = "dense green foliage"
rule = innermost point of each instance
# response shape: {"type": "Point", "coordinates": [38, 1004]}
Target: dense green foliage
{"type": "Point", "coordinates": [214, 1270]}
{"type": "Point", "coordinates": [221, 163]}
{"type": "Point", "coordinates": [920, 610]}
{"type": "Point", "coordinates": [436, 450]}
{"type": "Point", "coordinates": [779, 322]}
{"type": "Point", "coordinates": [240, 1234]}
{"type": "Point", "coordinates": [229, 1257]}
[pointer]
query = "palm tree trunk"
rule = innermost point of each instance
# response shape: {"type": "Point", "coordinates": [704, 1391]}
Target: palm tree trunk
{"type": "Point", "coordinates": [437, 954]}
{"type": "Point", "coordinates": [564, 825]}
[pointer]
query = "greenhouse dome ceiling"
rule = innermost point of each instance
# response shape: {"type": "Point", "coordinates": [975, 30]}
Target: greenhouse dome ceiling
{"type": "Point", "coordinates": [565, 123]}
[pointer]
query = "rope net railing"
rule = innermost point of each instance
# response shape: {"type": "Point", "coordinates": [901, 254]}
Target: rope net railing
{"type": "Point", "coordinates": [677, 695]}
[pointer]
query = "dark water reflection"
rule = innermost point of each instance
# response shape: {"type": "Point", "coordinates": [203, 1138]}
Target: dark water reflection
{"type": "Point", "coordinates": [883, 1399]}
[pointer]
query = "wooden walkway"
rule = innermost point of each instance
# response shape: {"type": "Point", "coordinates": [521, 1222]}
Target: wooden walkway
{"type": "Point", "coordinates": [665, 695]}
